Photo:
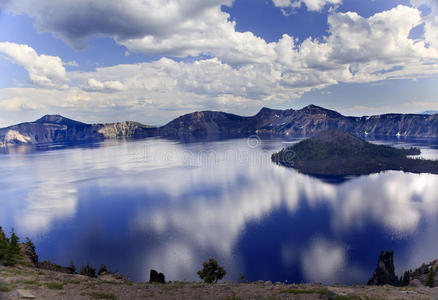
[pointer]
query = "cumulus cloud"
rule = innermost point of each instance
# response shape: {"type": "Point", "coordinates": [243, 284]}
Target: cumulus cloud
{"type": "Point", "coordinates": [244, 71]}
{"type": "Point", "coordinates": [311, 5]}
{"type": "Point", "coordinates": [112, 85]}
{"type": "Point", "coordinates": [44, 70]}
{"type": "Point", "coordinates": [323, 261]}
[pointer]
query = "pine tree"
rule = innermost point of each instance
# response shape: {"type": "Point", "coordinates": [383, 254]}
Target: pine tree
{"type": "Point", "coordinates": [3, 245]}
{"type": "Point", "coordinates": [430, 282]}
{"type": "Point", "coordinates": [13, 253]}
{"type": "Point", "coordinates": [405, 280]}
{"type": "Point", "coordinates": [30, 251]}
{"type": "Point", "coordinates": [211, 271]}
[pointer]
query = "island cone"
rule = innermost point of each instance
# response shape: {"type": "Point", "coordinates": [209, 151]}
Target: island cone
{"type": "Point", "coordinates": [336, 152]}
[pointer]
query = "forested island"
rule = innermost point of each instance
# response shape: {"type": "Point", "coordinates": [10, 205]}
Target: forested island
{"type": "Point", "coordinates": [336, 152]}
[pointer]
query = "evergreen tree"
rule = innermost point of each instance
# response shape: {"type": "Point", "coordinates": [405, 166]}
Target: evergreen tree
{"type": "Point", "coordinates": [405, 280]}
{"type": "Point", "coordinates": [211, 271]}
{"type": "Point", "coordinates": [430, 282]}
{"type": "Point", "coordinates": [4, 244]}
{"type": "Point", "coordinates": [88, 270]}
{"type": "Point", "coordinates": [30, 251]}
{"type": "Point", "coordinates": [102, 269]}
{"type": "Point", "coordinates": [72, 267]}
{"type": "Point", "coordinates": [13, 254]}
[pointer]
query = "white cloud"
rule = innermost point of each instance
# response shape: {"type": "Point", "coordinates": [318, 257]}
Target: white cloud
{"type": "Point", "coordinates": [312, 5]}
{"type": "Point", "coordinates": [71, 64]}
{"type": "Point", "coordinates": [112, 85]}
{"type": "Point", "coordinates": [44, 70]}
{"type": "Point", "coordinates": [323, 261]}
{"type": "Point", "coordinates": [245, 71]}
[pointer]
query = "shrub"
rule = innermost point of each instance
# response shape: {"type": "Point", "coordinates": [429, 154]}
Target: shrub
{"type": "Point", "coordinates": [88, 270]}
{"type": "Point", "coordinates": [211, 271]}
{"type": "Point", "coordinates": [72, 267]}
{"type": "Point", "coordinates": [430, 282]}
{"type": "Point", "coordinates": [55, 285]}
{"type": "Point", "coordinates": [102, 269]}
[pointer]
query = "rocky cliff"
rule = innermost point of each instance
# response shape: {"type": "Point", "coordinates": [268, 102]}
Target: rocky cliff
{"type": "Point", "coordinates": [57, 129]}
{"type": "Point", "coordinates": [299, 123]}
{"type": "Point", "coordinates": [214, 124]}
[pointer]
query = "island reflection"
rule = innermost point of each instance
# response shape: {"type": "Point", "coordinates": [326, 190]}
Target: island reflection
{"type": "Point", "coordinates": [165, 205]}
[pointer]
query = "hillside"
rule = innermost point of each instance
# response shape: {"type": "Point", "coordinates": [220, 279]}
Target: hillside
{"type": "Point", "coordinates": [58, 129]}
{"type": "Point", "coordinates": [336, 152]}
{"type": "Point", "coordinates": [212, 125]}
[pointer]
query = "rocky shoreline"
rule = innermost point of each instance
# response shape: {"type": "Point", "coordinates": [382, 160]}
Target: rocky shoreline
{"type": "Point", "coordinates": [22, 282]}
{"type": "Point", "coordinates": [22, 276]}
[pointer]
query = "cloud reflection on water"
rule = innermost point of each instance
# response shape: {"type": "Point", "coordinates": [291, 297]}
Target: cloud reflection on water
{"type": "Point", "coordinates": [205, 195]}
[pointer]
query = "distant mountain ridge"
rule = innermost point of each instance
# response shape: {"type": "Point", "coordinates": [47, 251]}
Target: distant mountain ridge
{"type": "Point", "coordinates": [430, 112]}
{"type": "Point", "coordinates": [304, 122]}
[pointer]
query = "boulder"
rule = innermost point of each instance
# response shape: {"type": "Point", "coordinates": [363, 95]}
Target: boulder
{"type": "Point", "coordinates": [156, 277]}
{"type": "Point", "coordinates": [415, 283]}
{"type": "Point", "coordinates": [384, 273]}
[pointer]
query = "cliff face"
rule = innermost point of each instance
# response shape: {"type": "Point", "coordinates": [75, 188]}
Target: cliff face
{"type": "Point", "coordinates": [125, 130]}
{"type": "Point", "coordinates": [213, 124]}
{"type": "Point", "coordinates": [48, 129]}
{"type": "Point", "coordinates": [57, 129]}
{"type": "Point", "coordinates": [299, 123]}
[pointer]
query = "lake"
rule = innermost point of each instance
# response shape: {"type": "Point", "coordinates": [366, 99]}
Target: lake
{"type": "Point", "coordinates": [161, 204]}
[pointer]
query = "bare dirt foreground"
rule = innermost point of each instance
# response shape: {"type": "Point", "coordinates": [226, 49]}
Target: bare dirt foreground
{"type": "Point", "coordinates": [30, 283]}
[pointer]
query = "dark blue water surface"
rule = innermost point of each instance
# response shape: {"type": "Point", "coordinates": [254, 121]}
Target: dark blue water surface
{"type": "Point", "coordinates": [170, 206]}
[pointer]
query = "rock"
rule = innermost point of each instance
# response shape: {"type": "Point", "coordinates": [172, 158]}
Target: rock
{"type": "Point", "coordinates": [415, 283]}
{"type": "Point", "coordinates": [260, 282]}
{"type": "Point", "coordinates": [330, 295]}
{"type": "Point", "coordinates": [25, 294]}
{"type": "Point", "coordinates": [268, 282]}
{"type": "Point", "coordinates": [384, 273]}
{"type": "Point", "coordinates": [213, 124]}
{"type": "Point", "coordinates": [30, 257]}
{"type": "Point", "coordinates": [48, 265]}
{"type": "Point", "coordinates": [156, 277]}
{"type": "Point", "coordinates": [113, 277]}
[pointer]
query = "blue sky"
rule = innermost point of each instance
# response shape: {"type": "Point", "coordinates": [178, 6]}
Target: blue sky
{"type": "Point", "coordinates": [150, 61]}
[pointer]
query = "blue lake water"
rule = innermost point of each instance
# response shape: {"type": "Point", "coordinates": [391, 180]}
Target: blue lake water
{"type": "Point", "coordinates": [170, 206]}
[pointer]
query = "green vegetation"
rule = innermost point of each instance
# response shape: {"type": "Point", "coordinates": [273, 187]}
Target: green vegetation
{"type": "Point", "coordinates": [32, 282]}
{"type": "Point", "coordinates": [96, 295]}
{"type": "Point", "coordinates": [30, 251]}
{"type": "Point", "coordinates": [71, 281]}
{"type": "Point", "coordinates": [430, 281]}
{"type": "Point", "coordinates": [10, 253]}
{"type": "Point", "coordinates": [405, 280]}
{"type": "Point", "coordinates": [5, 288]}
{"type": "Point", "coordinates": [211, 271]}
{"type": "Point", "coordinates": [88, 270]}
{"type": "Point", "coordinates": [72, 267]}
{"type": "Point", "coordinates": [102, 269]}
{"type": "Point", "coordinates": [335, 152]}
{"type": "Point", "coordinates": [55, 285]}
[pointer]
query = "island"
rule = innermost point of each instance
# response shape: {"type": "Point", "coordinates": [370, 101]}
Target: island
{"type": "Point", "coordinates": [335, 152]}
